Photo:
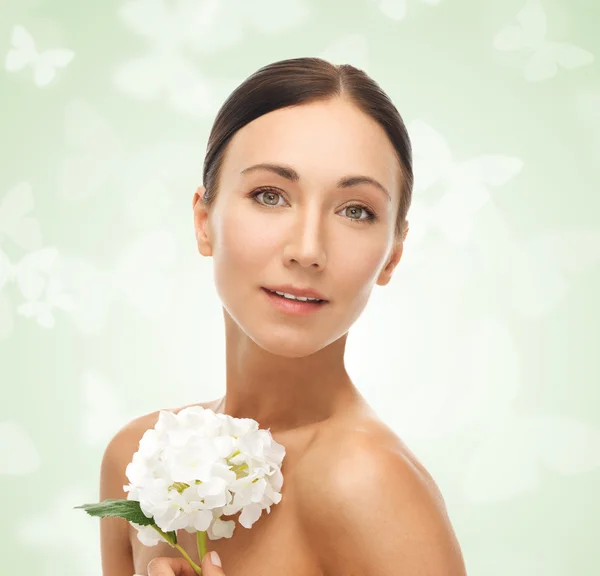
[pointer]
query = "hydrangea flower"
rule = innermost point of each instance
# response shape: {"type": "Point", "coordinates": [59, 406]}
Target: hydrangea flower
{"type": "Point", "coordinates": [193, 468]}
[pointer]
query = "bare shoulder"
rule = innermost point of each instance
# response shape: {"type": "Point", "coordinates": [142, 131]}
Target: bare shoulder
{"type": "Point", "coordinates": [363, 489]}
{"type": "Point", "coordinates": [347, 443]}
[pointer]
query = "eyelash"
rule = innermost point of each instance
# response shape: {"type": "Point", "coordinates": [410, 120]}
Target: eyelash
{"type": "Point", "coordinates": [371, 217]}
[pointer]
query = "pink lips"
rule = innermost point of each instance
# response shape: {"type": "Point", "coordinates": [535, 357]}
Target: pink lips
{"type": "Point", "coordinates": [295, 291]}
{"type": "Point", "coordinates": [293, 307]}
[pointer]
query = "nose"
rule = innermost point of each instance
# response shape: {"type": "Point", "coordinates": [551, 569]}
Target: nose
{"type": "Point", "coordinates": [306, 243]}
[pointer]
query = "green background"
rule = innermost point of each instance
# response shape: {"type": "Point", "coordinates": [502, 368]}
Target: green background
{"type": "Point", "coordinates": [482, 353]}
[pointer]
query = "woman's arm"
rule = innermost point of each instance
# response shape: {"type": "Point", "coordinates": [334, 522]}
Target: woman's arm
{"type": "Point", "coordinates": [117, 557]}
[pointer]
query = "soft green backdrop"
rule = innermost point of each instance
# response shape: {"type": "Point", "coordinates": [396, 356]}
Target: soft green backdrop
{"type": "Point", "coordinates": [483, 351]}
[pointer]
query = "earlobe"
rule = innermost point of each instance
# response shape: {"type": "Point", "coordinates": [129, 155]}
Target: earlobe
{"type": "Point", "coordinates": [386, 274]}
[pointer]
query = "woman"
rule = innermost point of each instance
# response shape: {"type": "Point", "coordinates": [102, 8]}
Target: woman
{"type": "Point", "coordinates": [307, 185]}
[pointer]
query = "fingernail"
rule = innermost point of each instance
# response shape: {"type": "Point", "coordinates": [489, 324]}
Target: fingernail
{"type": "Point", "coordinates": [214, 558]}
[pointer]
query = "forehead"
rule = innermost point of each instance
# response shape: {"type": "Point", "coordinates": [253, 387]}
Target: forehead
{"type": "Point", "coordinates": [322, 140]}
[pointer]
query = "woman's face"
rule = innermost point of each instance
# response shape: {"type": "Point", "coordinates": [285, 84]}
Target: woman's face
{"type": "Point", "coordinates": [302, 232]}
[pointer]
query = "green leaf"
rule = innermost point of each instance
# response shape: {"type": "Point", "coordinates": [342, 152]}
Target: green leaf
{"type": "Point", "coordinates": [128, 509]}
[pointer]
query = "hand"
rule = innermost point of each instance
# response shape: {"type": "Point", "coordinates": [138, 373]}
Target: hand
{"type": "Point", "coordinates": [181, 567]}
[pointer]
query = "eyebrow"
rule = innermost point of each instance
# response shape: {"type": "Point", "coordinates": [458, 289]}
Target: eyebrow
{"type": "Point", "coordinates": [290, 174]}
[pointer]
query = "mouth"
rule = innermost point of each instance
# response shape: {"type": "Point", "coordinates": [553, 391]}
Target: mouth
{"type": "Point", "coordinates": [293, 306]}
{"type": "Point", "coordinates": [292, 292]}
{"type": "Point", "coordinates": [294, 298]}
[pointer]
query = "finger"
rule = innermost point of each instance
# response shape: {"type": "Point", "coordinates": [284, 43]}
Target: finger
{"type": "Point", "coordinates": [170, 567]}
{"type": "Point", "coordinates": [210, 569]}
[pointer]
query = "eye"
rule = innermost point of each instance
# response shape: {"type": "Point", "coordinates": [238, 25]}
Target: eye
{"type": "Point", "coordinates": [268, 193]}
{"type": "Point", "coordinates": [364, 210]}
{"type": "Point", "coordinates": [269, 198]}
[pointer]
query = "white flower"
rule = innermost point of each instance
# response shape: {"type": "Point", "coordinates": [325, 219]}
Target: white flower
{"type": "Point", "coordinates": [196, 466]}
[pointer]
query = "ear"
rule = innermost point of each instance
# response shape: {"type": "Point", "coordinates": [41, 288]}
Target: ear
{"type": "Point", "coordinates": [386, 274]}
{"type": "Point", "coordinates": [201, 223]}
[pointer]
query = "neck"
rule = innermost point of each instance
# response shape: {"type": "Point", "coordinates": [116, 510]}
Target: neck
{"type": "Point", "coordinates": [284, 393]}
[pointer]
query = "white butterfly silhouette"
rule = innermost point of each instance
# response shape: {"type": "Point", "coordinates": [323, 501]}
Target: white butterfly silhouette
{"type": "Point", "coordinates": [15, 220]}
{"type": "Point", "coordinates": [544, 56]}
{"type": "Point", "coordinates": [54, 297]}
{"type": "Point", "coordinates": [142, 276]}
{"type": "Point", "coordinates": [35, 277]}
{"type": "Point", "coordinates": [18, 453]}
{"type": "Point", "coordinates": [30, 273]}
{"type": "Point", "coordinates": [396, 9]}
{"type": "Point", "coordinates": [465, 185]}
{"type": "Point", "coordinates": [24, 53]}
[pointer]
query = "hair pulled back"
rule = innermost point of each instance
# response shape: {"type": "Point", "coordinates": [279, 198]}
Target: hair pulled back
{"type": "Point", "coordinates": [301, 81]}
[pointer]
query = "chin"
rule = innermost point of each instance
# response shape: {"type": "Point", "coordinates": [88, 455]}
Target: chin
{"type": "Point", "coordinates": [286, 339]}
{"type": "Point", "coordinates": [290, 347]}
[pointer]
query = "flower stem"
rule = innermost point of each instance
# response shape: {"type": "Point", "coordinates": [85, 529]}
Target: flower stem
{"type": "Point", "coordinates": [195, 566]}
{"type": "Point", "coordinates": [201, 541]}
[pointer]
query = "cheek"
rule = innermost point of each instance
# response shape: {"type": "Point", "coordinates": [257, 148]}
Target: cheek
{"type": "Point", "coordinates": [358, 263]}
{"type": "Point", "coordinates": [241, 252]}
{"type": "Point", "coordinates": [245, 240]}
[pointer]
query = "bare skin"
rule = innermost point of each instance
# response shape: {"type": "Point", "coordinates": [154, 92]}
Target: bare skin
{"type": "Point", "coordinates": [288, 372]}
{"type": "Point", "coordinates": [285, 535]}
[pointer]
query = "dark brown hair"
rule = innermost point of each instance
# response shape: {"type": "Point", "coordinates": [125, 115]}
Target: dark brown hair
{"type": "Point", "coordinates": [301, 81]}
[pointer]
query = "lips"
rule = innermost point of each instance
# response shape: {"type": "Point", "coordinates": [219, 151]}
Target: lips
{"type": "Point", "coordinates": [272, 293]}
{"type": "Point", "coordinates": [296, 291]}
{"type": "Point", "coordinates": [293, 307]}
